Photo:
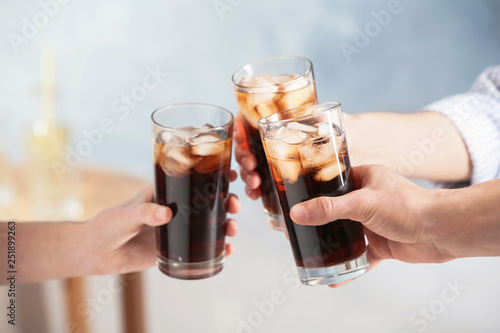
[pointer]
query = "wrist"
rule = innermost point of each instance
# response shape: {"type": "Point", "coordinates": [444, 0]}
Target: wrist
{"type": "Point", "coordinates": [88, 249]}
{"type": "Point", "coordinates": [78, 259]}
{"type": "Point", "coordinates": [438, 225]}
{"type": "Point", "coordinates": [459, 226]}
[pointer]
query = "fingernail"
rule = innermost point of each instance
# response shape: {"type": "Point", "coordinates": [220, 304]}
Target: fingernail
{"type": "Point", "coordinates": [247, 179]}
{"type": "Point", "coordinates": [299, 213]}
{"type": "Point", "coordinates": [161, 213]}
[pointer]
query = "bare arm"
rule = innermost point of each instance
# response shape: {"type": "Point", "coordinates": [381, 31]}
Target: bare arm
{"type": "Point", "coordinates": [40, 251]}
{"type": "Point", "coordinates": [50, 250]}
{"type": "Point", "coordinates": [117, 240]}
{"type": "Point", "coordinates": [420, 145]}
{"type": "Point", "coordinates": [43, 250]}
{"type": "Point", "coordinates": [466, 222]}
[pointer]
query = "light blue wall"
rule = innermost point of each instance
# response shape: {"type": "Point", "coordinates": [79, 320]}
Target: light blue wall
{"type": "Point", "coordinates": [428, 50]}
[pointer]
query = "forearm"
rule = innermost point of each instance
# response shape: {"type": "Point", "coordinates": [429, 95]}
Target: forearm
{"type": "Point", "coordinates": [421, 145]}
{"type": "Point", "coordinates": [47, 250]}
{"type": "Point", "coordinates": [466, 222]}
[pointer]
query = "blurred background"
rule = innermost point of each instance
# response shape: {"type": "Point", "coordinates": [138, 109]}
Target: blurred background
{"type": "Point", "coordinates": [187, 51]}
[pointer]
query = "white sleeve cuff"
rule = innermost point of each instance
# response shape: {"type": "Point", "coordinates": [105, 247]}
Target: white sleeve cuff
{"type": "Point", "coordinates": [477, 118]}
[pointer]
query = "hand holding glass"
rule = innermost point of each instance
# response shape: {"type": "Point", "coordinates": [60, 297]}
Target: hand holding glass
{"type": "Point", "coordinates": [307, 153]}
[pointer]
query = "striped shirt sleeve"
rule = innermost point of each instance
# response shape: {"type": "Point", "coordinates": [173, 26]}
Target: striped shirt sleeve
{"type": "Point", "coordinates": [476, 115]}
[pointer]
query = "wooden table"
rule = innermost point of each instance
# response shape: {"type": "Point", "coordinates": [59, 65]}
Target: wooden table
{"type": "Point", "coordinates": [100, 189]}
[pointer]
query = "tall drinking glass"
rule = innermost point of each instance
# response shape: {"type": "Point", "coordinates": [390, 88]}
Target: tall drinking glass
{"type": "Point", "coordinates": [192, 155]}
{"type": "Point", "coordinates": [307, 153]}
{"type": "Point", "coordinates": [262, 88]}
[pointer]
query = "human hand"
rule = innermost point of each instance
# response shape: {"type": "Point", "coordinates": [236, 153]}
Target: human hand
{"type": "Point", "coordinates": [122, 239]}
{"type": "Point", "coordinates": [393, 210]}
{"type": "Point", "coordinates": [246, 160]}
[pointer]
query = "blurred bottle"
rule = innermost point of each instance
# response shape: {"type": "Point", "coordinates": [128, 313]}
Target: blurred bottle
{"type": "Point", "coordinates": [54, 190]}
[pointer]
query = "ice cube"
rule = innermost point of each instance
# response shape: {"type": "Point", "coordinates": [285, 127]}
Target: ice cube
{"type": "Point", "coordinates": [280, 149]}
{"type": "Point", "coordinates": [263, 104]}
{"type": "Point", "coordinates": [213, 162]}
{"type": "Point", "coordinates": [255, 106]}
{"type": "Point", "coordinates": [207, 144]}
{"type": "Point", "coordinates": [221, 133]}
{"type": "Point", "coordinates": [290, 136]}
{"type": "Point", "coordinates": [294, 83]}
{"type": "Point", "coordinates": [327, 129]}
{"type": "Point", "coordinates": [203, 138]}
{"type": "Point", "coordinates": [260, 80]}
{"type": "Point", "coordinates": [341, 145]}
{"type": "Point", "coordinates": [296, 98]}
{"type": "Point", "coordinates": [301, 127]}
{"type": "Point", "coordinates": [280, 79]}
{"type": "Point", "coordinates": [183, 133]}
{"type": "Point", "coordinates": [265, 110]}
{"type": "Point", "coordinates": [328, 172]}
{"type": "Point", "coordinates": [287, 169]}
{"type": "Point", "coordinates": [206, 149]}
{"type": "Point", "coordinates": [254, 100]}
{"type": "Point", "coordinates": [181, 156]}
{"type": "Point", "coordinates": [332, 130]}
{"type": "Point", "coordinates": [177, 160]}
{"type": "Point", "coordinates": [171, 138]}
{"type": "Point", "coordinates": [317, 153]}
{"type": "Point", "coordinates": [206, 126]}
{"type": "Point", "coordinates": [163, 137]}
{"type": "Point", "coordinates": [252, 116]}
{"type": "Point", "coordinates": [187, 128]}
{"type": "Point", "coordinates": [157, 148]}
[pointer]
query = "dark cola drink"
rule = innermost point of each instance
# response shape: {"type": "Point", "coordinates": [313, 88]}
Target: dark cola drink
{"type": "Point", "coordinates": [192, 178]}
{"type": "Point", "coordinates": [310, 160]}
{"type": "Point", "coordinates": [329, 244]}
{"type": "Point", "coordinates": [259, 96]}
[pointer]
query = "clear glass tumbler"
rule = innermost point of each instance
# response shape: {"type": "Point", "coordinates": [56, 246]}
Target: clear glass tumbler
{"type": "Point", "coordinates": [192, 156]}
{"type": "Point", "coordinates": [262, 88]}
{"type": "Point", "coordinates": [307, 153]}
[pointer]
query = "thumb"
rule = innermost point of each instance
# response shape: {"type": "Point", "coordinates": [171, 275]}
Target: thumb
{"type": "Point", "coordinates": [353, 206]}
{"type": "Point", "coordinates": [120, 224]}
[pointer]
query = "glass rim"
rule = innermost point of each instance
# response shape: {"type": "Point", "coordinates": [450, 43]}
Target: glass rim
{"type": "Point", "coordinates": [199, 130]}
{"type": "Point", "coordinates": [307, 72]}
{"type": "Point", "coordinates": [328, 106]}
